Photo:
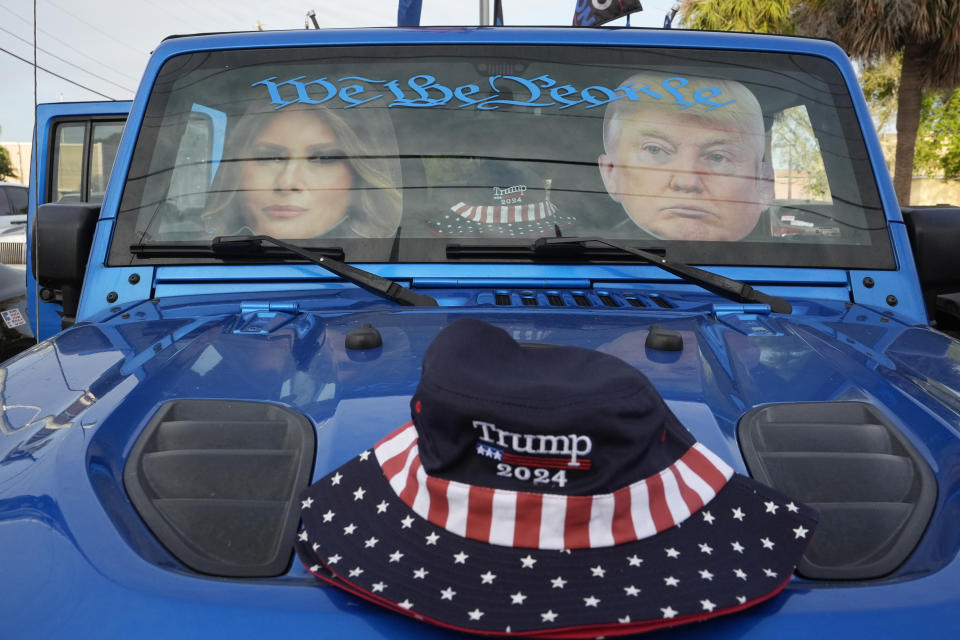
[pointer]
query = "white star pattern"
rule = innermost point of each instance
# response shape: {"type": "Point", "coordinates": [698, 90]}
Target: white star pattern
{"type": "Point", "coordinates": [396, 556]}
{"type": "Point", "coordinates": [370, 543]}
{"type": "Point", "coordinates": [705, 548]}
{"type": "Point", "coordinates": [705, 574]}
{"type": "Point", "coordinates": [670, 581]}
{"type": "Point", "coordinates": [590, 601]}
{"type": "Point", "coordinates": [672, 553]}
{"type": "Point", "coordinates": [349, 529]}
{"type": "Point", "coordinates": [800, 532]}
{"type": "Point", "coordinates": [558, 582]}
{"type": "Point", "coordinates": [738, 514]}
{"type": "Point", "coordinates": [303, 536]}
{"type": "Point", "coordinates": [548, 616]}
{"type": "Point", "coordinates": [488, 577]}
{"type": "Point", "coordinates": [476, 614]}
{"type": "Point", "coordinates": [377, 587]}
{"type": "Point", "coordinates": [382, 507]}
{"type": "Point", "coordinates": [306, 504]}
{"type": "Point", "coordinates": [447, 594]}
{"type": "Point", "coordinates": [737, 546]}
{"type": "Point", "coordinates": [668, 612]}
{"type": "Point", "coordinates": [517, 598]}
{"type": "Point", "coordinates": [406, 604]}
{"type": "Point", "coordinates": [631, 591]}
{"type": "Point", "coordinates": [740, 573]}
{"type": "Point", "coordinates": [742, 599]}
{"type": "Point", "coordinates": [406, 523]}
{"type": "Point", "coordinates": [328, 516]}
{"type": "Point", "coordinates": [635, 561]}
{"type": "Point", "coordinates": [334, 559]}
{"type": "Point", "coordinates": [771, 506]}
{"type": "Point", "coordinates": [420, 574]}
{"type": "Point", "coordinates": [364, 455]}
{"type": "Point", "coordinates": [598, 571]}
{"type": "Point", "coordinates": [767, 543]}
{"type": "Point", "coordinates": [624, 620]}
{"type": "Point", "coordinates": [708, 517]}
{"type": "Point", "coordinates": [336, 478]}
{"type": "Point", "coordinates": [792, 508]}
{"type": "Point", "coordinates": [460, 558]}
{"type": "Point", "coordinates": [707, 605]}
{"type": "Point", "coordinates": [359, 493]}
{"type": "Point", "coordinates": [770, 573]}
{"type": "Point", "coordinates": [315, 547]}
{"type": "Point", "coordinates": [432, 538]}
{"type": "Point", "coordinates": [355, 572]}
{"type": "Point", "coordinates": [528, 561]}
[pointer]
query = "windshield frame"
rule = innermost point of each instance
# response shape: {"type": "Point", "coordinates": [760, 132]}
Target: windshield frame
{"type": "Point", "coordinates": [417, 249]}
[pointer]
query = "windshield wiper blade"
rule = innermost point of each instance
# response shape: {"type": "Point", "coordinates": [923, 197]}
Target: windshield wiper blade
{"type": "Point", "coordinates": [234, 246]}
{"type": "Point", "coordinates": [204, 250]}
{"type": "Point", "coordinates": [721, 285]}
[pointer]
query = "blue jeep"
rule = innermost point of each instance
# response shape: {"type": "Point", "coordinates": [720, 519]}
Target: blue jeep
{"type": "Point", "coordinates": [291, 220]}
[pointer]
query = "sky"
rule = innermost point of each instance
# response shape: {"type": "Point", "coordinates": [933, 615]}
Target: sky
{"type": "Point", "coordinates": [104, 45]}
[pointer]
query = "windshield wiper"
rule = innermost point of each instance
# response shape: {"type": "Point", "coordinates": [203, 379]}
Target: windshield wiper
{"type": "Point", "coordinates": [238, 246]}
{"type": "Point", "coordinates": [721, 285]}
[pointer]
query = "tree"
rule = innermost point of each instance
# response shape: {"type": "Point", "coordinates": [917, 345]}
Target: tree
{"type": "Point", "coordinates": [925, 32]}
{"type": "Point", "coordinates": [6, 164]}
{"type": "Point", "coordinates": [754, 16]}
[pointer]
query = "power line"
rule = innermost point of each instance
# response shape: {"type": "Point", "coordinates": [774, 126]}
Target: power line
{"type": "Point", "coordinates": [53, 55]}
{"type": "Point", "coordinates": [10, 53]}
{"type": "Point", "coordinates": [58, 39]}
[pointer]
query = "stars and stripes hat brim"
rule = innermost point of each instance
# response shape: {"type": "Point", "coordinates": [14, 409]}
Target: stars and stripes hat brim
{"type": "Point", "coordinates": [456, 520]}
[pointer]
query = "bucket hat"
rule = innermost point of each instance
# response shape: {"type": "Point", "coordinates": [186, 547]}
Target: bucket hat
{"type": "Point", "coordinates": [546, 491]}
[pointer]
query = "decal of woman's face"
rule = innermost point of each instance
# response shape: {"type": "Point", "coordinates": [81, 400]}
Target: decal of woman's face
{"type": "Point", "coordinates": [295, 179]}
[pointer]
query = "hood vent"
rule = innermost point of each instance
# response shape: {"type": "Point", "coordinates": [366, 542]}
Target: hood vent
{"type": "Point", "coordinates": [217, 482]}
{"type": "Point", "coordinates": [874, 491]}
{"type": "Point", "coordinates": [576, 299]}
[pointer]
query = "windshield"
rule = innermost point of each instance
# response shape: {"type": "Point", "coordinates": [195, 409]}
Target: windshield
{"type": "Point", "coordinates": [396, 153]}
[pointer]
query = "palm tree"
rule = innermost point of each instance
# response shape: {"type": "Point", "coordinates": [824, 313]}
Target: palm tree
{"type": "Point", "coordinates": [752, 16]}
{"type": "Point", "coordinates": [926, 32]}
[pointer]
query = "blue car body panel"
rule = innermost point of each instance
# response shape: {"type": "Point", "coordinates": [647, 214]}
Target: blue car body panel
{"type": "Point", "coordinates": [77, 561]}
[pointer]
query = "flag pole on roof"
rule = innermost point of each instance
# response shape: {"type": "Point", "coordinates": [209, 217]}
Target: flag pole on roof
{"type": "Point", "coordinates": [594, 13]}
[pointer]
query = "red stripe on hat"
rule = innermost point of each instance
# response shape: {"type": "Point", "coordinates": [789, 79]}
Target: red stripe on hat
{"type": "Point", "coordinates": [526, 533]}
{"type": "Point", "coordinates": [394, 465]}
{"type": "Point", "coordinates": [702, 466]}
{"type": "Point", "coordinates": [576, 525]}
{"type": "Point", "coordinates": [690, 497]}
{"type": "Point", "coordinates": [439, 508]}
{"type": "Point", "coordinates": [480, 513]}
{"type": "Point", "coordinates": [410, 490]}
{"type": "Point", "coordinates": [662, 520]}
{"type": "Point", "coordinates": [622, 521]}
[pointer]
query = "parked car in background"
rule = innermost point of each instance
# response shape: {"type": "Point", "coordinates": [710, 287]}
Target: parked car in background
{"type": "Point", "coordinates": [13, 204]}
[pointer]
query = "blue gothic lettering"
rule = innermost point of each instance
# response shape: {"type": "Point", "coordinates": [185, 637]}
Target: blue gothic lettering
{"type": "Point", "coordinates": [424, 91]}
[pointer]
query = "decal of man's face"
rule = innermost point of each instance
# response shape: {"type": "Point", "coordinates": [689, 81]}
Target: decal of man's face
{"type": "Point", "coordinates": [687, 173]}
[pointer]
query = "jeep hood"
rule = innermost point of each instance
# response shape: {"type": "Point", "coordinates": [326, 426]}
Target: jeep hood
{"type": "Point", "coordinates": [103, 383]}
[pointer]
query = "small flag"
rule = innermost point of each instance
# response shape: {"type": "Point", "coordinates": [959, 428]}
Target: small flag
{"type": "Point", "coordinates": [593, 13]}
{"type": "Point", "coordinates": [408, 13]}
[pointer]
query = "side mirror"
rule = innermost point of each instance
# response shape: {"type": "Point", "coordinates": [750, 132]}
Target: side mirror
{"type": "Point", "coordinates": [61, 245]}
